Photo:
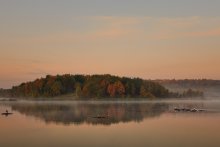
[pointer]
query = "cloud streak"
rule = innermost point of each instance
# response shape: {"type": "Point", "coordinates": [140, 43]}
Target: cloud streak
{"type": "Point", "coordinates": [110, 27]}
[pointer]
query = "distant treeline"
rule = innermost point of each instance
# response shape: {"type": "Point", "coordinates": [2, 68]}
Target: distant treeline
{"type": "Point", "coordinates": [196, 83]}
{"type": "Point", "coordinates": [187, 94]}
{"type": "Point", "coordinates": [93, 86]}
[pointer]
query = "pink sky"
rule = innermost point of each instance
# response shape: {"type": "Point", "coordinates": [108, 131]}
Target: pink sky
{"type": "Point", "coordinates": [146, 47]}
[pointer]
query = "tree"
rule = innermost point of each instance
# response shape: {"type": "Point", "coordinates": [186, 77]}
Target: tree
{"type": "Point", "coordinates": [56, 88]}
{"type": "Point", "coordinates": [78, 90]}
{"type": "Point", "coordinates": [111, 90]}
{"type": "Point", "coordinates": [116, 89]}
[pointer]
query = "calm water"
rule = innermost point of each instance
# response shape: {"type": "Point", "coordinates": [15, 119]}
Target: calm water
{"type": "Point", "coordinates": [110, 124]}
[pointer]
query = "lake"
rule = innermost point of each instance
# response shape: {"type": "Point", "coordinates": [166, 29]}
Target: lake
{"type": "Point", "coordinates": [110, 123]}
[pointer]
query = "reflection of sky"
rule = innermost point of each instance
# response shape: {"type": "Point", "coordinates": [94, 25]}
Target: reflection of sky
{"type": "Point", "coordinates": [166, 130]}
{"type": "Point", "coordinates": [149, 39]}
{"type": "Point", "coordinates": [79, 113]}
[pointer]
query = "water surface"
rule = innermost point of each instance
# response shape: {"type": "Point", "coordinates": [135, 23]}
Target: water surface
{"type": "Point", "coordinates": [110, 123]}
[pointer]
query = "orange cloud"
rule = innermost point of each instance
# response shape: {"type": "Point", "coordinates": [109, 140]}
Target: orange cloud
{"type": "Point", "coordinates": [210, 33]}
{"type": "Point", "coordinates": [110, 32]}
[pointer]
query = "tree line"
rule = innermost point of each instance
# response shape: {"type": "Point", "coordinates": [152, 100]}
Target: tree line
{"type": "Point", "coordinates": [196, 83]}
{"type": "Point", "coordinates": [93, 86]}
{"type": "Point", "coordinates": [89, 86]}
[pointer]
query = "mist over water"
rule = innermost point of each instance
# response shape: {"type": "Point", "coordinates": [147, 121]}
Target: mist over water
{"type": "Point", "coordinates": [110, 123]}
{"type": "Point", "coordinates": [211, 91]}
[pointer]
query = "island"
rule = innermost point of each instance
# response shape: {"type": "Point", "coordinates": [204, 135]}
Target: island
{"type": "Point", "coordinates": [93, 87]}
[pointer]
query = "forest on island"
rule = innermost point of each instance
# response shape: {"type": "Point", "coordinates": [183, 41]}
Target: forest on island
{"type": "Point", "coordinates": [93, 86]}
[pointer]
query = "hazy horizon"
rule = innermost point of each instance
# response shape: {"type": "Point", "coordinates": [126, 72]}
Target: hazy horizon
{"type": "Point", "coordinates": [157, 39]}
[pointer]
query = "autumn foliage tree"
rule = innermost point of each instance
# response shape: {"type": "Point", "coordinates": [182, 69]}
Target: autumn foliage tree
{"type": "Point", "coordinates": [116, 89]}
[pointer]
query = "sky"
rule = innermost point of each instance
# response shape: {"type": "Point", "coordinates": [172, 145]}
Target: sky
{"type": "Point", "coordinates": [150, 39]}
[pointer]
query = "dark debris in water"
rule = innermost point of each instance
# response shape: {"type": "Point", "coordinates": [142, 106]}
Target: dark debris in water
{"type": "Point", "coordinates": [189, 110]}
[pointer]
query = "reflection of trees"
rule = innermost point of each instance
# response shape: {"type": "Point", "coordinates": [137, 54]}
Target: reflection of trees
{"type": "Point", "coordinates": [86, 113]}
